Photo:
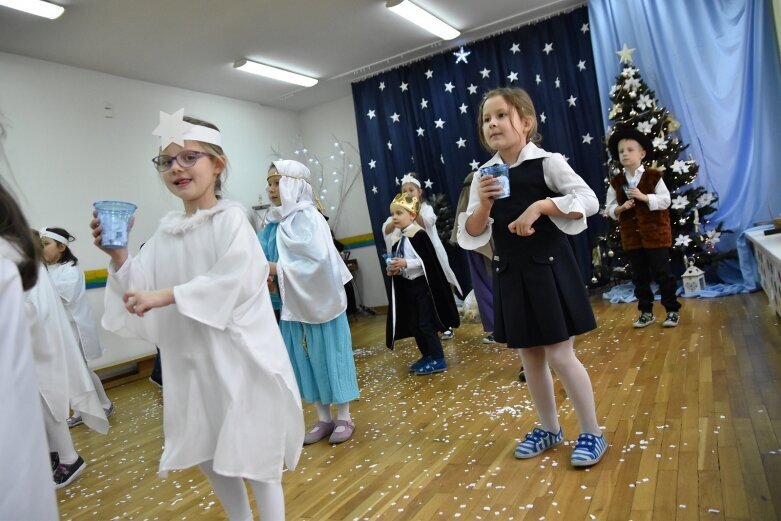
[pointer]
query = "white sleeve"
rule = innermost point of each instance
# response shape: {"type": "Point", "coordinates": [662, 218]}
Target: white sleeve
{"type": "Point", "coordinates": [135, 273]}
{"type": "Point", "coordinates": [211, 298]}
{"type": "Point", "coordinates": [660, 199]}
{"type": "Point", "coordinates": [428, 216]}
{"type": "Point", "coordinates": [466, 241]}
{"type": "Point", "coordinates": [611, 203]}
{"type": "Point", "coordinates": [391, 237]}
{"type": "Point", "coordinates": [576, 196]}
{"type": "Point", "coordinates": [68, 282]}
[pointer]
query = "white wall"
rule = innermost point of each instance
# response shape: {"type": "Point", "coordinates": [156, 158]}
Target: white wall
{"type": "Point", "coordinates": [64, 154]}
{"type": "Point", "coordinates": [319, 127]}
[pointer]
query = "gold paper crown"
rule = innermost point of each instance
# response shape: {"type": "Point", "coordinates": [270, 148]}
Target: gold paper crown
{"type": "Point", "coordinates": [411, 204]}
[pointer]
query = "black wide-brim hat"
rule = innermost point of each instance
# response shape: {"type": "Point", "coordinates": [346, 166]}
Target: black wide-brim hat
{"type": "Point", "coordinates": [629, 132]}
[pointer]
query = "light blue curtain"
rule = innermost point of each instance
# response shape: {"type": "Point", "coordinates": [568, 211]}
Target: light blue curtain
{"type": "Point", "coordinates": [715, 65]}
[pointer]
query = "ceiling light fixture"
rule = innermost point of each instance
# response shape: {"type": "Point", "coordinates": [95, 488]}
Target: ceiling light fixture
{"type": "Point", "coordinates": [36, 7]}
{"type": "Point", "coordinates": [274, 73]}
{"type": "Point", "coordinates": [421, 18]}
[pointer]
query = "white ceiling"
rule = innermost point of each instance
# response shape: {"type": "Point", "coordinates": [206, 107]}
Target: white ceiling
{"type": "Point", "coordinates": [192, 44]}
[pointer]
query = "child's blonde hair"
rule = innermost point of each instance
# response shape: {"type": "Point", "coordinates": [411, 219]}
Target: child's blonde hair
{"type": "Point", "coordinates": [520, 100]}
{"type": "Point", "coordinates": [212, 149]}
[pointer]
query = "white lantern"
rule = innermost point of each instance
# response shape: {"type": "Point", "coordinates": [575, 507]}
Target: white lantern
{"type": "Point", "coordinates": [693, 280]}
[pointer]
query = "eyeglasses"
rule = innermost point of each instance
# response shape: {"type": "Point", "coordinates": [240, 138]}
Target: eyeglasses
{"type": "Point", "coordinates": [185, 158]}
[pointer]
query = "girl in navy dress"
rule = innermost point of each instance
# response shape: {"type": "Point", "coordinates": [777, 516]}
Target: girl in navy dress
{"type": "Point", "coordinates": [540, 301]}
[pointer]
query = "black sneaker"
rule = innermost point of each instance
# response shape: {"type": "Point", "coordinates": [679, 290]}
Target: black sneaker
{"type": "Point", "coordinates": [671, 320]}
{"type": "Point", "coordinates": [54, 457]}
{"type": "Point", "coordinates": [646, 319]}
{"type": "Point", "coordinates": [65, 474]}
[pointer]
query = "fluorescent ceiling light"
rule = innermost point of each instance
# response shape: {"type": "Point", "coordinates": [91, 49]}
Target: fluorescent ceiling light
{"type": "Point", "coordinates": [421, 18]}
{"type": "Point", "coordinates": [36, 7]}
{"type": "Point", "coordinates": [274, 73]}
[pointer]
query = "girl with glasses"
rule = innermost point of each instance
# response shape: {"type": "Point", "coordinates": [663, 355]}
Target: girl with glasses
{"type": "Point", "coordinates": [198, 291]}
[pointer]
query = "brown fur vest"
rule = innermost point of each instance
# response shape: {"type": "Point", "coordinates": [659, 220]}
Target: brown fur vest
{"type": "Point", "coordinates": [641, 227]}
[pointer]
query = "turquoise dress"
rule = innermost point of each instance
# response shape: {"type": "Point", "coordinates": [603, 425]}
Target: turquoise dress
{"type": "Point", "coordinates": [268, 241]}
{"type": "Point", "coordinates": [321, 354]}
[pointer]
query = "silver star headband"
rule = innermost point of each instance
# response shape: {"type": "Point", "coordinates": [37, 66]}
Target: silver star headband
{"type": "Point", "coordinates": [174, 129]}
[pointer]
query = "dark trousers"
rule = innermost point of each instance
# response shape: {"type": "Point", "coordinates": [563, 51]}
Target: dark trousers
{"type": "Point", "coordinates": [422, 309]}
{"type": "Point", "coordinates": [653, 264]}
{"type": "Point", "coordinates": [157, 370]}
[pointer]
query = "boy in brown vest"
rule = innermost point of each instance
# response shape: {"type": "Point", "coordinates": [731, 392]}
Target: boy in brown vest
{"type": "Point", "coordinates": [638, 199]}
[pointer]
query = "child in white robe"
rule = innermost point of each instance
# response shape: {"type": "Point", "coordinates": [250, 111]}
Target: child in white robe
{"type": "Point", "coordinates": [63, 380]}
{"type": "Point", "coordinates": [68, 278]}
{"type": "Point", "coordinates": [198, 291]}
{"type": "Point", "coordinates": [26, 484]}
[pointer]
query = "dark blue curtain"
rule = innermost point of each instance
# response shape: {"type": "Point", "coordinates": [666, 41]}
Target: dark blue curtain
{"type": "Point", "coordinates": [422, 117]}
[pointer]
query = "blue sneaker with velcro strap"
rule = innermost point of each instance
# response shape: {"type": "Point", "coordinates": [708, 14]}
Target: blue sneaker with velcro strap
{"type": "Point", "coordinates": [537, 442]}
{"type": "Point", "coordinates": [589, 449]}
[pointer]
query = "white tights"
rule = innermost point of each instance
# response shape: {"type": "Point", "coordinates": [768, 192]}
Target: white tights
{"type": "Point", "coordinates": [574, 377]}
{"type": "Point", "coordinates": [232, 493]}
{"type": "Point", "coordinates": [324, 411]}
{"type": "Point", "coordinates": [59, 436]}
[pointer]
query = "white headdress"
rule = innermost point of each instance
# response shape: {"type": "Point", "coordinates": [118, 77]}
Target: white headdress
{"type": "Point", "coordinates": [295, 190]}
{"type": "Point", "coordinates": [409, 179]}
{"type": "Point", "coordinates": [174, 129]}
{"type": "Point", "coordinates": [43, 232]}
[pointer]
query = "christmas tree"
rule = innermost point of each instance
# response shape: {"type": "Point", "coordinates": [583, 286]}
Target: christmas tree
{"type": "Point", "coordinates": [694, 237]}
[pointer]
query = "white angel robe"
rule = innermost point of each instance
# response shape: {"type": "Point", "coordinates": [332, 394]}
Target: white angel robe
{"type": "Point", "coordinates": [230, 394]}
{"type": "Point", "coordinates": [69, 281]}
{"type": "Point", "coordinates": [63, 377]}
{"type": "Point", "coordinates": [430, 225]}
{"type": "Point", "coordinates": [26, 485]}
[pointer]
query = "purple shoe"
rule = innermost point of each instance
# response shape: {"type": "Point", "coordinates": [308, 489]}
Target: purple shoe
{"type": "Point", "coordinates": [320, 430]}
{"type": "Point", "coordinates": [343, 435]}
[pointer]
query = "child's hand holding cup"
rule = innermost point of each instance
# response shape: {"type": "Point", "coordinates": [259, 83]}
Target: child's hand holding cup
{"type": "Point", "coordinates": [500, 172]}
{"type": "Point", "coordinates": [388, 258]}
{"type": "Point", "coordinates": [115, 218]}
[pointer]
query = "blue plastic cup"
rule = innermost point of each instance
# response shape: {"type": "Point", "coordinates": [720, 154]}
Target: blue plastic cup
{"type": "Point", "coordinates": [388, 258]}
{"type": "Point", "coordinates": [501, 172]}
{"type": "Point", "coordinates": [115, 219]}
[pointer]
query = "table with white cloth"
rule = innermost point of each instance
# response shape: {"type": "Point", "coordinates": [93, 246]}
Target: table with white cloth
{"type": "Point", "coordinates": [767, 250]}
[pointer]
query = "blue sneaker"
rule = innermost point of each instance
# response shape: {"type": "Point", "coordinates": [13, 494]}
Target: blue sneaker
{"type": "Point", "coordinates": [537, 442]}
{"type": "Point", "coordinates": [588, 450]}
{"type": "Point", "coordinates": [431, 367]}
{"type": "Point", "coordinates": [420, 363]}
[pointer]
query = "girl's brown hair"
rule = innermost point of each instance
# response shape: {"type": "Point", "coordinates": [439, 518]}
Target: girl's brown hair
{"type": "Point", "coordinates": [520, 100]}
{"type": "Point", "coordinates": [14, 229]}
{"type": "Point", "coordinates": [212, 149]}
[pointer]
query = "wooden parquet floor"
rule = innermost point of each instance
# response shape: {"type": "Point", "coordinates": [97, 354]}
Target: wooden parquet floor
{"type": "Point", "coordinates": [692, 414]}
